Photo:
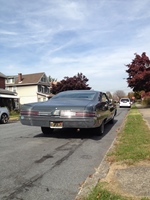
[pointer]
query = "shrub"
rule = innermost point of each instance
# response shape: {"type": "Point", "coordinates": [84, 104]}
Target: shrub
{"type": "Point", "coordinates": [14, 112]}
{"type": "Point", "coordinates": [146, 101]}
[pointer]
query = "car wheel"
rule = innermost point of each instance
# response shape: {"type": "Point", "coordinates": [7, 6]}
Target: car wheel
{"type": "Point", "coordinates": [4, 118]}
{"type": "Point", "coordinates": [46, 130]}
{"type": "Point", "coordinates": [100, 130]}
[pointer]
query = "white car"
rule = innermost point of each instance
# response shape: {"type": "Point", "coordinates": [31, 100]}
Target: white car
{"type": "Point", "coordinates": [125, 102]}
{"type": "Point", "coordinates": [4, 115]}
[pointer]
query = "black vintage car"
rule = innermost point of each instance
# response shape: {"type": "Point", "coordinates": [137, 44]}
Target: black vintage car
{"type": "Point", "coordinates": [80, 109]}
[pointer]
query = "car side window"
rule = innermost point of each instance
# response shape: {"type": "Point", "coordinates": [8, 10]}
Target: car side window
{"type": "Point", "coordinates": [104, 98]}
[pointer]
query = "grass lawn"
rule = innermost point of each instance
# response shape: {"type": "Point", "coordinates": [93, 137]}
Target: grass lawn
{"type": "Point", "coordinates": [133, 142]}
{"type": "Point", "coordinates": [131, 147]}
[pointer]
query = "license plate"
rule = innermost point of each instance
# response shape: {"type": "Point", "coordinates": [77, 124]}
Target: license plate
{"type": "Point", "coordinates": [56, 124]}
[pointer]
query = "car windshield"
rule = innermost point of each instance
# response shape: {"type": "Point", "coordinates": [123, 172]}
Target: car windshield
{"type": "Point", "coordinates": [124, 100]}
{"type": "Point", "coordinates": [76, 95]}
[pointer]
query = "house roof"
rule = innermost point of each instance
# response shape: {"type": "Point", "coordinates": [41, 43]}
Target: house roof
{"type": "Point", "coordinates": [8, 94]}
{"type": "Point", "coordinates": [29, 79]}
{"type": "Point", "coordinates": [2, 91]}
{"type": "Point", "coordinates": [2, 75]}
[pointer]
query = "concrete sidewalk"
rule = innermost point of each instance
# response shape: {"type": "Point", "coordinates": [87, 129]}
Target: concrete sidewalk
{"type": "Point", "coordinates": [145, 113]}
{"type": "Point", "coordinates": [130, 181]}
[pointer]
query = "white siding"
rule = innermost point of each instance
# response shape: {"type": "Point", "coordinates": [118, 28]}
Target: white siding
{"type": "Point", "coordinates": [27, 94]}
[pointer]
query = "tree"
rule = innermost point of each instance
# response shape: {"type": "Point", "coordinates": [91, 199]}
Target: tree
{"type": "Point", "coordinates": [139, 73]}
{"type": "Point", "coordinates": [138, 95]}
{"type": "Point", "coordinates": [77, 82]}
{"type": "Point", "coordinates": [131, 95]}
{"type": "Point", "coordinates": [120, 94]}
{"type": "Point", "coordinates": [115, 98]}
{"type": "Point", "coordinates": [52, 79]}
{"type": "Point", "coordinates": [109, 95]}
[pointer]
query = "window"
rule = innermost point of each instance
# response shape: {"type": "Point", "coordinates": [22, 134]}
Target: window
{"type": "Point", "coordinates": [10, 80]}
{"type": "Point", "coordinates": [39, 88]}
{"type": "Point", "coordinates": [43, 89]}
{"type": "Point", "coordinates": [43, 79]}
{"type": "Point", "coordinates": [7, 88]}
{"type": "Point", "coordinates": [13, 89]}
{"type": "Point", "coordinates": [125, 100]}
{"type": "Point", "coordinates": [47, 90]}
{"type": "Point", "coordinates": [76, 95]}
{"type": "Point", "coordinates": [39, 99]}
{"type": "Point", "coordinates": [104, 98]}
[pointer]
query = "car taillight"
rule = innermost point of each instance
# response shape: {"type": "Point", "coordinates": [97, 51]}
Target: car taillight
{"type": "Point", "coordinates": [67, 113]}
{"type": "Point", "coordinates": [34, 113]}
{"type": "Point", "coordinates": [85, 114]}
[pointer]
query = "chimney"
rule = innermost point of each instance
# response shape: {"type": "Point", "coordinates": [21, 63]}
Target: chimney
{"type": "Point", "coordinates": [19, 77]}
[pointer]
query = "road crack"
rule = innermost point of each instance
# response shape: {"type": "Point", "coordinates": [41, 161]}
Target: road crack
{"type": "Point", "coordinates": [28, 184]}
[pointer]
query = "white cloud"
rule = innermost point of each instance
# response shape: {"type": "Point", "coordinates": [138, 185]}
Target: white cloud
{"type": "Point", "coordinates": [64, 37]}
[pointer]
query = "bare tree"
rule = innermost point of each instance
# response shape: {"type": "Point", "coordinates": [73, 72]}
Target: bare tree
{"type": "Point", "coordinates": [109, 95]}
{"type": "Point", "coordinates": [52, 79]}
{"type": "Point", "coordinates": [120, 94]}
{"type": "Point", "coordinates": [115, 98]}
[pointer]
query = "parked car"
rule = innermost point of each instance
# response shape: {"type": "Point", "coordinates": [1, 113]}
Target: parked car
{"type": "Point", "coordinates": [124, 102]}
{"type": "Point", "coordinates": [4, 115]}
{"type": "Point", "coordinates": [80, 109]}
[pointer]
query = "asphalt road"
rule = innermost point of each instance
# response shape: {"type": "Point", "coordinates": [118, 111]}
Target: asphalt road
{"type": "Point", "coordinates": [34, 167]}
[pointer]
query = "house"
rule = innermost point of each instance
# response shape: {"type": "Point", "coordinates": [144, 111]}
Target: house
{"type": "Point", "coordinates": [29, 87]}
{"type": "Point", "coordinates": [2, 80]}
{"type": "Point", "coordinates": [7, 98]}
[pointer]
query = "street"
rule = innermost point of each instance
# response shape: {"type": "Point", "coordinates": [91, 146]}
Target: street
{"type": "Point", "coordinates": [35, 167]}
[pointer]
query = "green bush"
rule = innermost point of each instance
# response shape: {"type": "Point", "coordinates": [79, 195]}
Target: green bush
{"type": "Point", "coordinates": [14, 112]}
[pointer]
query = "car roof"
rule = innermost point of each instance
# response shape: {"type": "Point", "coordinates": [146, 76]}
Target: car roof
{"type": "Point", "coordinates": [78, 91]}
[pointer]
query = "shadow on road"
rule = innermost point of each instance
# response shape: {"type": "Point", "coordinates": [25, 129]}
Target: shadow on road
{"type": "Point", "coordinates": [74, 133]}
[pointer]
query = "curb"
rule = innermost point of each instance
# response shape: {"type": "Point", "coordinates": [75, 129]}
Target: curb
{"type": "Point", "coordinates": [101, 172]}
{"type": "Point", "coordinates": [92, 180]}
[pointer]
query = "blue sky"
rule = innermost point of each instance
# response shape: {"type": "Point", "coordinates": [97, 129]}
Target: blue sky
{"type": "Point", "coordinates": [65, 37]}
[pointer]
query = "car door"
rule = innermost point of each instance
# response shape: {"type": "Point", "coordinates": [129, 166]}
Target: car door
{"type": "Point", "coordinates": [102, 108]}
{"type": "Point", "coordinates": [107, 107]}
{"type": "Point", "coordinates": [111, 108]}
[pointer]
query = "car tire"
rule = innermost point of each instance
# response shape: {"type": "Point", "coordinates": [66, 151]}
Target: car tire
{"type": "Point", "coordinates": [100, 130]}
{"type": "Point", "coordinates": [46, 130]}
{"type": "Point", "coordinates": [4, 118]}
